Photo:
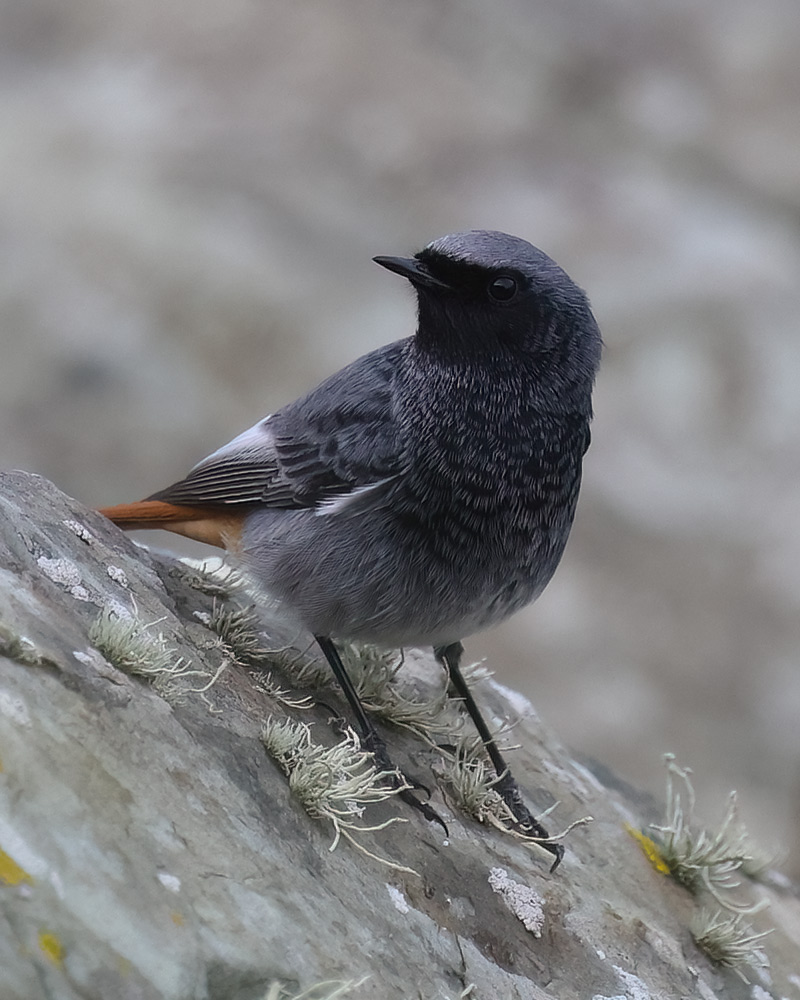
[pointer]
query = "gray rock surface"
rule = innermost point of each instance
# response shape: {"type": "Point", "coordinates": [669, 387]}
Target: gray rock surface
{"type": "Point", "coordinates": [151, 848]}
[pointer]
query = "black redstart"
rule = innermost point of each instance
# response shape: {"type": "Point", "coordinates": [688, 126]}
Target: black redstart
{"type": "Point", "coordinates": [426, 490]}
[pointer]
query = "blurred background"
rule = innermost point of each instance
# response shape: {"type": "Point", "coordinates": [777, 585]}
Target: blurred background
{"type": "Point", "coordinates": [190, 195]}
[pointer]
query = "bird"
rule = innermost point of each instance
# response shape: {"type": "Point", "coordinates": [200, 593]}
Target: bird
{"type": "Point", "coordinates": [426, 490]}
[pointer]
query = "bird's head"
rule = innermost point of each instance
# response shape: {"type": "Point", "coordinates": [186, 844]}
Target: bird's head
{"type": "Point", "coordinates": [485, 294]}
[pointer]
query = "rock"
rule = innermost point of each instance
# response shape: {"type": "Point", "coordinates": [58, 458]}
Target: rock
{"type": "Point", "coordinates": [152, 849]}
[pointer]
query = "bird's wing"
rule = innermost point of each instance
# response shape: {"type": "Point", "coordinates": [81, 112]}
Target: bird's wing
{"type": "Point", "coordinates": [332, 449]}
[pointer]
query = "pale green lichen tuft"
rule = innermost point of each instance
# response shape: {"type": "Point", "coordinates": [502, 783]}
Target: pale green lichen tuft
{"type": "Point", "coordinates": [710, 863]}
{"type": "Point", "coordinates": [264, 682]}
{"type": "Point", "coordinates": [241, 639]}
{"type": "Point", "coordinates": [472, 788]}
{"type": "Point", "coordinates": [305, 669]}
{"type": "Point", "coordinates": [471, 783]}
{"type": "Point", "coordinates": [240, 631]}
{"type": "Point", "coordinates": [728, 941]}
{"type": "Point", "coordinates": [696, 859]}
{"type": "Point", "coordinates": [375, 675]}
{"type": "Point", "coordinates": [371, 668]}
{"type": "Point", "coordinates": [213, 576]}
{"type": "Point", "coordinates": [133, 647]}
{"type": "Point", "coordinates": [374, 672]}
{"type": "Point", "coordinates": [333, 783]}
{"type": "Point", "coordinates": [331, 989]}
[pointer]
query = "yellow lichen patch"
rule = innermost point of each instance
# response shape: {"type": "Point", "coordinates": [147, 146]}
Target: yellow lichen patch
{"type": "Point", "coordinates": [650, 849]}
{"type": "Point", "coordinates": [177, 918]}
{"type": "Point", "coordinates": [51, 947]}
{"type": "Point", "coordinates": [10, 871]}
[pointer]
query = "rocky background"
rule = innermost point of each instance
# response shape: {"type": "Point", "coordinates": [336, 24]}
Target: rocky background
{"type": "Point", "coordinates": [190, 194]}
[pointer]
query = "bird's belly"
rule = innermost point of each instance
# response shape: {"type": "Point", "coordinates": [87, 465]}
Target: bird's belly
{"type": "Point", "coordinates": [364, 578]}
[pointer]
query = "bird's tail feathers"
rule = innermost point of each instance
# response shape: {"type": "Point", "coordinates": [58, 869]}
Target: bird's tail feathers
{"type": "Point", "coordinates": [204, 524]}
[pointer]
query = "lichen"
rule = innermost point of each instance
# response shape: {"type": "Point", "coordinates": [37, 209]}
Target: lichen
{"type": "Point", "coordinates": [331, 989]}
{"type": "Point", "coordinates": [241, 632]}
{"type": "Point", "coordinates": [11, 873]}
{"type": "Point", "coordinates": [51, 947]}
{"type": "Point", "coordinates": [133, 647]}
{"type": "Point", "coordinates": [525, 903]}
{"type": "Point", "coordinates": [696, 859]}
{"type": "Point", "coordinates": [65, 573]}
{"type": "Point", "coordinates": [333, 783]}
{"type": "Point", "coordinates": [374, 672]}
{"type": "Point", "coordinates": [472, 788]}
{"type": "Point", "coordinates": [728, 941]}
{"type": "Point", "coordinates": [214, 576]}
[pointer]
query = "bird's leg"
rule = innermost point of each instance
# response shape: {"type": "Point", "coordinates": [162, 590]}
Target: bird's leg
{"type": "Point", "coordinates": [506, 786]}
{"type": "Point", "coordinates": [371, 740]}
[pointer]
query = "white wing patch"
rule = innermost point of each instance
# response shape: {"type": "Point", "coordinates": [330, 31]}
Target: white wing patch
{"type": "Point", "coordinates": [361, 498]}
{"type": "Point", "coordinates": [256, 440]}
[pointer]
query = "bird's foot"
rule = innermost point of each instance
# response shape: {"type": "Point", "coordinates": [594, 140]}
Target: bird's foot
{"type": "Point", "coordinates": [526, 824]}
{"type": "Point", "coordinates": [406, 786]}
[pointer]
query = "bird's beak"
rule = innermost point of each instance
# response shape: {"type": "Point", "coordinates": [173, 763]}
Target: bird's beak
{"type": "Point", "coordinates": [413, 269]}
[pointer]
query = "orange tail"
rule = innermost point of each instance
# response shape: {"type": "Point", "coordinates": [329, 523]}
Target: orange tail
{"type": "Point", "coordinates": [204, 524]}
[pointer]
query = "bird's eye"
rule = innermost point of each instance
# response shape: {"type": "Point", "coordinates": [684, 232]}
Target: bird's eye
{"type": "Point", "coordinates": [503, 288]}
